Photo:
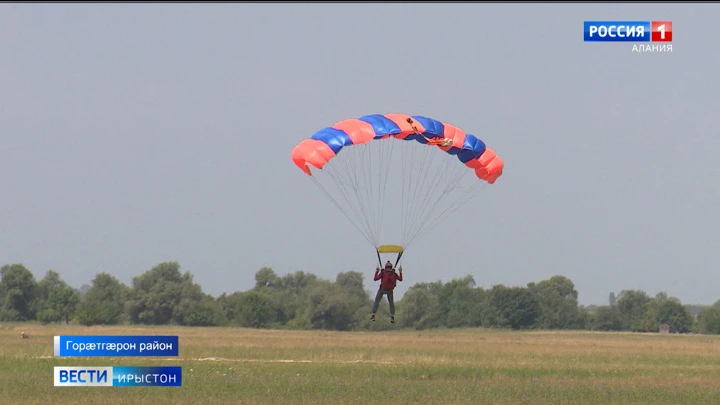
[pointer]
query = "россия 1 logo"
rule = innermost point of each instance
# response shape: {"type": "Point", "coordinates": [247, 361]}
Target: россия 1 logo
{"type": "Point", "coordinates": [657, 33]}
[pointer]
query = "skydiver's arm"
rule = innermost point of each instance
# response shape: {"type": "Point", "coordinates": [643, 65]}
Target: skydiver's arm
{"type": "Point", "coordinates": [377, 275]}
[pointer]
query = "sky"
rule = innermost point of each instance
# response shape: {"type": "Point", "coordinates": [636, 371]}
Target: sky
{"type": "Point", "coordinates": [133, 134]}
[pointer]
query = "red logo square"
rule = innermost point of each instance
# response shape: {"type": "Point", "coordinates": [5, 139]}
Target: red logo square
{"type": "Point", "coordinates": [661, 31]}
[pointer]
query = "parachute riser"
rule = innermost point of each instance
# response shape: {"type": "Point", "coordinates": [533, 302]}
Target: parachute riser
{"type": "Point", "coordinates": [398, 258]}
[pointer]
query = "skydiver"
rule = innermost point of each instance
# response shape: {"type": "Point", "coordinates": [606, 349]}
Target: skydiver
{"type": "Point", "coordinates": [387, 285]}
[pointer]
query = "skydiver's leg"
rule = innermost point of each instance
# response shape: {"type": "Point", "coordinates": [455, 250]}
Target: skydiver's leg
{"type": "Point", "coordinates": [376, 304]}
{"type": "Point", "coordinates": [391, 301]}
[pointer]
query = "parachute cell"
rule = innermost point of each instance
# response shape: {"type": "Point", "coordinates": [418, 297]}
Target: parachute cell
{"type": "Point", "coordinates": [356, 154]}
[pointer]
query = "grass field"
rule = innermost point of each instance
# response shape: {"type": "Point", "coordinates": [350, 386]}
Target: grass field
{"type": "Point", "coordinates": [244, 366]}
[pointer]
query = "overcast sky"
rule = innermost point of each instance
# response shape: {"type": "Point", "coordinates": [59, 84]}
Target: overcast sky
{"type": "Point", "coordinates": [133, 134]}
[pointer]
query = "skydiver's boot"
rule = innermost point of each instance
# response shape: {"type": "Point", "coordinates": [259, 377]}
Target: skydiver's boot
{"type": "Point", "coordinates": [392, 319]}
{"type": "Point", "coordinates": [372, 318]}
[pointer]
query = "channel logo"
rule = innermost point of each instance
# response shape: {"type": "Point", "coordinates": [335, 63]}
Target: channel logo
{"type": "Point", "coordinates": [118, 376]}
{"type": "Point", "coordinates": [628, 31]}
{"type": "Point", "coordinates": [83, 376]}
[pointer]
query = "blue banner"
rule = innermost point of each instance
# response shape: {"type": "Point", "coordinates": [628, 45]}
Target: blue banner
{"type": "Point", "coordinates": [118, 376]}
{"type": "Point", "coordinates": [159, 376]}
{"type": "Point", "coordinates": [616, 31]}
{"type": "Point", "coordinates": [115, 346]}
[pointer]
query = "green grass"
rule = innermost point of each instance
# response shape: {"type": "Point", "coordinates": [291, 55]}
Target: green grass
{"type": "Point", "coordinates": [245, 366]}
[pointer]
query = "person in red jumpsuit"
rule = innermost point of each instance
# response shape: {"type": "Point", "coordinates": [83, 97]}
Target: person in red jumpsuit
{"type": "Point", "coordinates": [388, 279]}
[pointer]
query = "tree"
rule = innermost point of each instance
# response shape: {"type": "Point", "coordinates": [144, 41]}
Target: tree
{"type": "Point", "coordinates": [667, 310]}
{"type": "Point", "coordinates": [460, 303]}
{"type": "Point", "coordinates": [420, 310]}
{"type": "Point", "coordinates": [352, 282]}
{"type": "Point", "coordinates": [228, 305]}
{"type": "Point", "coordinates": [255, 309]}
{"type": "Point", "coordinates": [709, 320]}
{"type": "Point", "coordinates": [514, 307]}
{"type": "Point", "coordinates": [102, 303]}
{"type": "Point", "coordinates": [328, 307]}
{"type": "Point", "coordinates": [557, 299]}
{"type": "Point", "coordinates": [18, 289]}
{"type": "Point", "coordinates": [351, 285]}
{"type": "Point", "coordinates": [633, 307]}
{"type": "Point", "coordinates": [156, 295]}
{"type": "Point", "coordinates": [56, 300]}
{"type": "Point", "coordinates": [199, 310]}
{"type": "Point", "coordinates": [266, 277]}
{"type": "Point", "coordinates": [289, 301]}
{"type": "Point", "coordinates": [296, 282]}
{"type": "Point", "coordinates": [83, 289]}
{"type": "Point", "coordinates": [607, 318]}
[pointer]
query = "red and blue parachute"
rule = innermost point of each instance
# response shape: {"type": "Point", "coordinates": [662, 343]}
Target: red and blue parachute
{"type": "Point", "coordinates": [356, 154]}
{"type": "Point", "coordinates": [327, 142]}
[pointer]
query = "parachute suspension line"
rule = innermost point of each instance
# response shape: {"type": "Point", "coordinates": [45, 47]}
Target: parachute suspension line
{"type": "Point", "coordinates": [354, 176]}
{"type": "Point", "coordinates": [418, 188]}
{"type": "Point", "coordinates": [416, 175]}
{"type": "Point", "coordinates": [347, 181]}
{"type": "Point", "coordinates": [405, 189]}
{"type": "Point", "coordinates": [462, 197]}
{"type": "Point", "coordinates": [383, 176]}
{"type": "Point", "coordinates": [344, 187]}
{"type": "Point", "coordinates": [352, 183]}
{"type": "Point", "coordinates": [339, 206]}
{"type": "Point", "coordinates": [474, 190]}
{"type": "Point", "coordinates": [427, 207]}
{"type": "Point", "coordinates": [427, 184]}
{"type": "Point", "coordinates": [384, 158]}
{"type": "Point", "coordinates": [453, 174]}
{"type": "Point", "coordinates": [420, 185]}
{"type": "Point", "coordinates": [384, 155]}
{"type": "Point", "coordinates": [431, 188]}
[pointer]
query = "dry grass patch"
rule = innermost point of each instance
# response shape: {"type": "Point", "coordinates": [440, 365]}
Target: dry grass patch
{"type": "Point", "coordinates": [246, 366]}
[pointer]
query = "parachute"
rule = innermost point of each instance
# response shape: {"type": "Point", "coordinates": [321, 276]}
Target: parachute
{"type": "Point", "coordinates": [441, 168]}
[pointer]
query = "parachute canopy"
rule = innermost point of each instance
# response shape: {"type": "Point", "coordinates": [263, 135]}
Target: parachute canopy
{"type": "Point", "coordinates": [356, 155]}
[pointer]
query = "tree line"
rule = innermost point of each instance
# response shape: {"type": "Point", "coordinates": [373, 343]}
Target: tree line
{"type": "Point", "coordinates": [163, 295]}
